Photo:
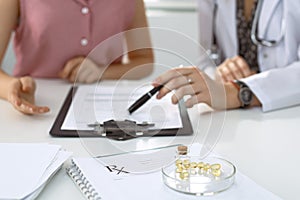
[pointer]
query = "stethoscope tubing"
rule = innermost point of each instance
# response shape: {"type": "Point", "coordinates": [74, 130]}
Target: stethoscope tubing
{"type": "Point", "coordinates": [254, 32]}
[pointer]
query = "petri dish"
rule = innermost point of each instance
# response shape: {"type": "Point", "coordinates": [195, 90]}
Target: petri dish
{"type": "Point", "coordinates": [200, 182]}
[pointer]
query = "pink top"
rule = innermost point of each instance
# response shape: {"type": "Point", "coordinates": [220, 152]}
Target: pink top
{"type": "Point", "coordinates": [51, 32]}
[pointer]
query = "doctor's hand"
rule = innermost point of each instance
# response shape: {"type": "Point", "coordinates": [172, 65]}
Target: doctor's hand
{"type": "Point", "coordinates": [233, 69]}
{"type": "Point", "coordinates": [199, 87]}
{"type": "Point", "coordinates": [81, 69]}
{"type": "Point", "coordinates": [21, 95]}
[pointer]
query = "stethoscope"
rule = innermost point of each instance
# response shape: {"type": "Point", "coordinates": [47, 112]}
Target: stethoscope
{"type": "Point", "coordinates": [254, 33]}
{"type": "Point", "coordinates": [214, 51]}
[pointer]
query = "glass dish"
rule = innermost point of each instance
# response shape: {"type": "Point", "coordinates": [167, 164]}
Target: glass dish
{"type": "Point", "coordinates": [200, 182]}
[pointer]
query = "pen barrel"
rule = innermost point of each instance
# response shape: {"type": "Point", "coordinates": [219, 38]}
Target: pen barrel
{"type": "Point", "coordinates": [139, 103]}
{"type": "Point", "coordinates": [156, 89]}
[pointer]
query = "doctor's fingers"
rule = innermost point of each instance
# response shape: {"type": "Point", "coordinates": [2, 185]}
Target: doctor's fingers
{"type": "Point", "coordinates": [235, 70]}
{"type": "Point", "coordinates": [242, 65]}
{"type": "Point", "coordinates": [173, 73]}
{"type": "Point", "coordinates": [201, 97]}
{"type": "Point", "coordinates": [190, 89]}
{"type": "Point", "coordinates": [224, 73]}
{"type": "Point", "coordinates": [232, 69]}
{"type": "Point", "coordinates": [172, 84]}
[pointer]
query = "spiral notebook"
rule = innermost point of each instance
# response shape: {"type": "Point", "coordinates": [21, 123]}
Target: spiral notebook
{"type": "Point", "coordinates": [98, 181]}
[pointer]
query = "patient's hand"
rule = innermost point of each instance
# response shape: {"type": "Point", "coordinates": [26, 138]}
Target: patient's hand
{"type": "Point", "coordinates": [21, 95]}
{"type": "Point", "coordinates": [81, 69]}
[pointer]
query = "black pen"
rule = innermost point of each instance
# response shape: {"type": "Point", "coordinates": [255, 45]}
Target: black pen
{"type": "Point", "coordinates": [142, 100]}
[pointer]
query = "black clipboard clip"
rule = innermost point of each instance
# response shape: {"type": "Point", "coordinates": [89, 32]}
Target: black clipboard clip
{"type": "Point", "coordinates": [121, 130]}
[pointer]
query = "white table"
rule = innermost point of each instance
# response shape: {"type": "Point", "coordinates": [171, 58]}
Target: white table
{"type": "Point", "coordinates": [263, 146]}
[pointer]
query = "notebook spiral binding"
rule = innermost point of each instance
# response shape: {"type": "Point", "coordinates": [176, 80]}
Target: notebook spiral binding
{"type": "Point", "coordinates": [81, 181]}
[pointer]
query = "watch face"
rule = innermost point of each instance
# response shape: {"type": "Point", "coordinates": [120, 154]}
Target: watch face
{"type": "Point", "coordinates": [246, 96]}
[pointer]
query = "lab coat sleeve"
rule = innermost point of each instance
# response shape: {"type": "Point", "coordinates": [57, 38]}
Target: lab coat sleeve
{"type": "Point", "coordinates": [276, 88]}
{"type": "Point", "coordinates": [205, 14]}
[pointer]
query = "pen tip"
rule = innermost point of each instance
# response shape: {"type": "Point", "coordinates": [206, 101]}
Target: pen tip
{"type": "Point", "coordinates": [129, 111]}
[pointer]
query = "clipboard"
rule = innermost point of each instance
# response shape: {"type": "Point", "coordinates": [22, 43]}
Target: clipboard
{"type": "Point", "coordinates": [56, 130]}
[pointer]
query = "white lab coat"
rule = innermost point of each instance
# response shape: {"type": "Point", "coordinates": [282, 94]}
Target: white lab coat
{"type": "Point", "coordinates": [278, 84]}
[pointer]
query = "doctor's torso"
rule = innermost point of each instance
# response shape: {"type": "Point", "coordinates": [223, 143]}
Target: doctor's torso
{"type": "Point", "coordinates": [276, 17]}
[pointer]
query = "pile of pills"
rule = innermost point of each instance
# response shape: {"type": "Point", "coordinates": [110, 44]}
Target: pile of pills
{"type": "Point", "coordinates": [185, 168]}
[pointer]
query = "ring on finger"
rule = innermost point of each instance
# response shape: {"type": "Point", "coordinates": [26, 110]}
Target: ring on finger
{"type": "Point", "coordinates": [189, 80]}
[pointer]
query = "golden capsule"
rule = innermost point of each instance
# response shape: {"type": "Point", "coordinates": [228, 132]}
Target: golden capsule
{"type": "Point", "coordinates": [206, 167]}
{"type": "Point", "coordinates": [186, 161]}
{"type": "Point", "coordinates": [178, 161]}
{"type": "Point", "coordinates": [216, 172]}
{"type": "Point", "coordinates": [215, 166]}
{"type": "Point", "coordinates": [193, 164]}
{"type": "Point", "coordinates": [181, 175]}
{"type": "Point", "coordinates": [179, 165]}
{"type": "Point", "coordinates": [184, 175]}
{"type": "Point", "coordinates": [186, 164]}
{"type": "Point", "coordinates": [179, 169]}
{"type": "Point", "coordinates": [200, 165]}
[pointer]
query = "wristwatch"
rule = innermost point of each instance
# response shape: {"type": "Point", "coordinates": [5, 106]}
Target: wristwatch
{"type": "Point", "coordinates": [245, 94]}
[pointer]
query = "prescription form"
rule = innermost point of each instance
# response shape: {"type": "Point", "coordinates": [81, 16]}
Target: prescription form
{"type": "Point", "coordinates": [99, 103]}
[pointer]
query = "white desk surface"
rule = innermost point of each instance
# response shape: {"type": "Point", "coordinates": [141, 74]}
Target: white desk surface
{"type": "Point", "coordinates": [263, 146]}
